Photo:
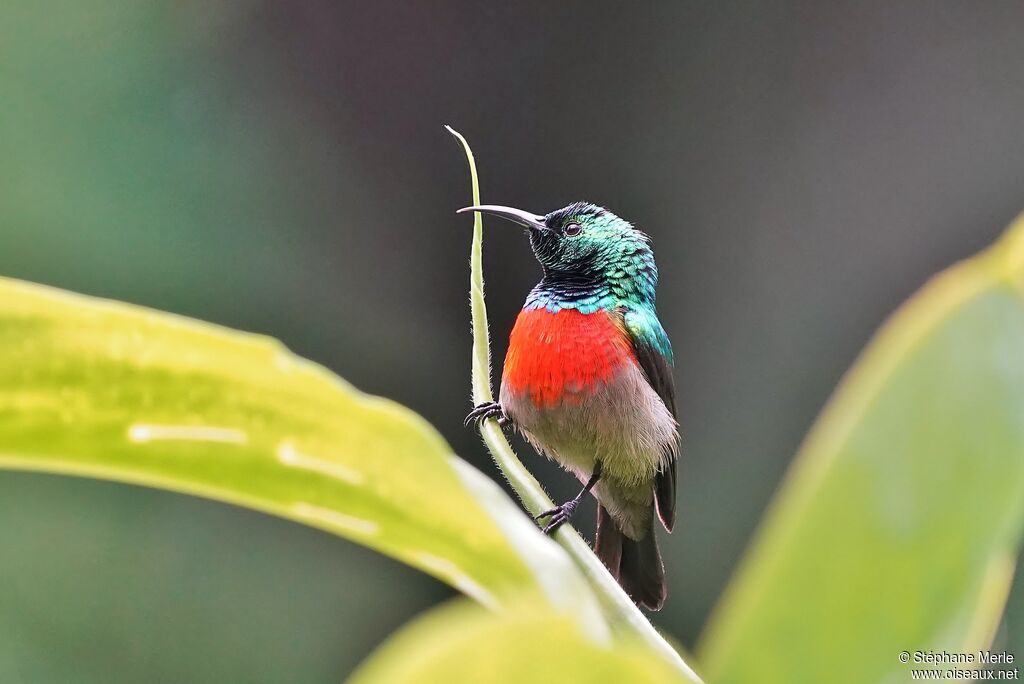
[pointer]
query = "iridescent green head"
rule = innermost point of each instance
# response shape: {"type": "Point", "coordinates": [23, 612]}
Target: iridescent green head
{"type": "Point", "coordinates": [585, 250]}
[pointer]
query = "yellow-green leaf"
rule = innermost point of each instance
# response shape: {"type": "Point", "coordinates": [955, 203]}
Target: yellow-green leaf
{"type": "Point", "coordinates": [104, 389]}
{"type": "Point", "coordinates": [529, 643]}
{"type": "Point", "coordinates": [898, 526]}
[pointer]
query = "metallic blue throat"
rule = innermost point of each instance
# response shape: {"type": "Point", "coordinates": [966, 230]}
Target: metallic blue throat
{"type": "Point", "coordinates": [587, 294]}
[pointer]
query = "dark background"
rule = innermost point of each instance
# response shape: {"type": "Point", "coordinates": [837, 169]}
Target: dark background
{"type": "Point", "coordinates": [282, 168]}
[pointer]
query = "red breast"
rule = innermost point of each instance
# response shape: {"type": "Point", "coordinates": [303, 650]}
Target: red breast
{"type": "Point", "coordinates": [563, 356]}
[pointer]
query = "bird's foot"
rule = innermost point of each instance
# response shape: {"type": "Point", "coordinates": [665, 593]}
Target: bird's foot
{"type": "Point", "coordinates": [558, 515]}
{"type": "Point", "coordinates": [491, 409]}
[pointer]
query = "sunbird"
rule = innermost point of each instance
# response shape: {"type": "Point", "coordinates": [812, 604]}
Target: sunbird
{"type": "Point", "coordinates": [588, 382]}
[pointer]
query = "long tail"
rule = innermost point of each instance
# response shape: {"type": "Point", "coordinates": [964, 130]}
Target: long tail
{"type": "Point", "coordinates": [635, 564]}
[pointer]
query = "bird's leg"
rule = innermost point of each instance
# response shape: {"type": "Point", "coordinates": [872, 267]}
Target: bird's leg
{"type": "Point", "coordinates": [491, 409]}
{"type": "Point", "coordinates": [562, 514]}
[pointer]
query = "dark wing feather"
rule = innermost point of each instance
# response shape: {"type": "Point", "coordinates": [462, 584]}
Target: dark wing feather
{"type": "Point", "coordinates": [658, 370]}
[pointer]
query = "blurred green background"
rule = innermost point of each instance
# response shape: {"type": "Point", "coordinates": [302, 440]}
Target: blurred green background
{"type": "Point", "coordinates": [281, 168]}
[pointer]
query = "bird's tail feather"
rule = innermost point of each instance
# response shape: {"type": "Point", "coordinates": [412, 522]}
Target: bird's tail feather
{"type": "Point", "coordinates": [636, 564]}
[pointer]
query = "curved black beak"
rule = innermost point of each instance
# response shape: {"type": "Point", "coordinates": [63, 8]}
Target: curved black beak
{"type": "Point", "coordinates": [523, 218]}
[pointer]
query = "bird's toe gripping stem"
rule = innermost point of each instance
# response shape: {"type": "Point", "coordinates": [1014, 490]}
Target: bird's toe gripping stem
{"type": "Point", "coordinates": [558, 515]}
{"type": "Point", "coordinates": [491, 409]}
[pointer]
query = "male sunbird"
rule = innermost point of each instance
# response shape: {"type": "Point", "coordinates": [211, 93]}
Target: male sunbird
{"type": "Point", "coordinates": [588, 381]}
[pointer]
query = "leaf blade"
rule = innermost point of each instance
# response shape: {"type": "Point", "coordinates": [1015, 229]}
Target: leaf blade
{"type": "Point", "coordinates": [898, 524]}
{"type": "Point", "coordinates": [104, 389]}
{"type": "Point", "coordinates": [460, 643]}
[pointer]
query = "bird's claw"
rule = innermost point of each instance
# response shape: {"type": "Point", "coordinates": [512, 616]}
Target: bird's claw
{"type": "Point", "coordinates": [491, 409]}
{"type": "Point", "coordinates": [558, 515]}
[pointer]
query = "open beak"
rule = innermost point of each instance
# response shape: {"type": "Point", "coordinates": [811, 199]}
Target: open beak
{"type": "Point", "coordinates": [523, 218]}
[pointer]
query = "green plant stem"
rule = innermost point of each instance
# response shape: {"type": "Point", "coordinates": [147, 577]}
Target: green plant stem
{"type": "Point", "coordinates": [619, 608]}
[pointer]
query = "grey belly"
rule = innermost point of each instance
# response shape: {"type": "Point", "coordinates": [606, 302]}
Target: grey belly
{"type": "Point", "coordinates": [623, 424]}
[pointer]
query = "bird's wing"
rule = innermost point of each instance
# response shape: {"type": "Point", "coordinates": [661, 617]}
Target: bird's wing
{"type": "Point", "coordinates": [654, 352]}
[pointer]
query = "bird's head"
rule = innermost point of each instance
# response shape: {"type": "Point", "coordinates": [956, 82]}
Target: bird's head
{"type": "Point", "coordinates": [585, 241]}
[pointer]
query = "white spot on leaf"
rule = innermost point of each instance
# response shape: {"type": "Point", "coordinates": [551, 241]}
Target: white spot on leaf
{"type": "Point", "coordinates": [349, 523]}
{"type": "Point", "coordinates": [454, 574]}
{"type": "Point", "coordinates": [141, 433]}
{"type": "Point", "coordinates": [290, 456]}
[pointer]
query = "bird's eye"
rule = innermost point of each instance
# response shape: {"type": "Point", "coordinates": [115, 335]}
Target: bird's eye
{"type": "Point", "coordinates": [572, 229]}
